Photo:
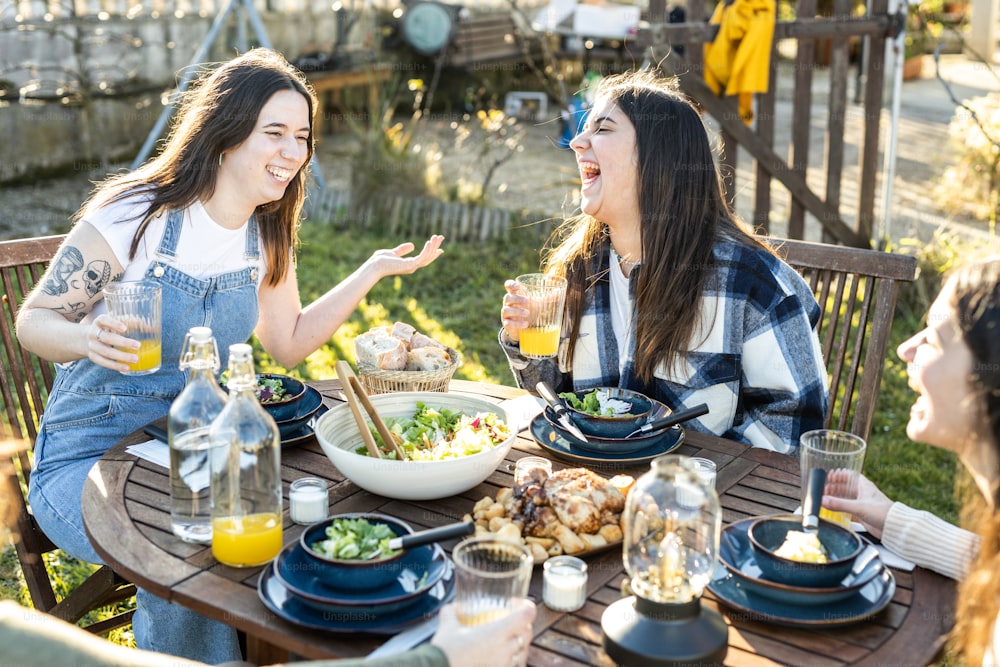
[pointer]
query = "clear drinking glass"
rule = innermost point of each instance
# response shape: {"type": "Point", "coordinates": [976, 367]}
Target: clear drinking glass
{"type": "Point", "coordinates": [490, 574]}
{"type": "Point", "coordinates": [138, 305]}
{"type": "Point", "coordinates": [546, 298]}
{"type": "Point", "coordinates": [841, 454]}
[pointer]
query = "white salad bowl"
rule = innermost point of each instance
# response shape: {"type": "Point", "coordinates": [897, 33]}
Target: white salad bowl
{"type": "Point", "coordinates": [338, 435]}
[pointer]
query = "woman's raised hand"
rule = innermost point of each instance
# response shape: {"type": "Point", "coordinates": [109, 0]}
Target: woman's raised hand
{"type": "Point", "coordinates": [514, 313]}
{"type": "Point", "coordinates": [394, 262]}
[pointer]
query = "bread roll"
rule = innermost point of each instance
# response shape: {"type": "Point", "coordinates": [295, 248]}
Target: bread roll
{"type": "Point", "coordinates": [427, 359]}
{"type": "Point", "coordinates": [403, 331]}
{"type": "Point", "coordinates": [419, 340]}
{"type": "Point", "coordinates": [377, 348]}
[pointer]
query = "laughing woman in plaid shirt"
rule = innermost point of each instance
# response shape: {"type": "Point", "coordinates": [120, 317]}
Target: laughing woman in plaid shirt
{"type": "Point", "coordinates": [669, 294]}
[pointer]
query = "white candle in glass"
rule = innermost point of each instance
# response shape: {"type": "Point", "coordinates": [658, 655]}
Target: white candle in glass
{"type": "Point", "coordinates": [308, 500]}
{"type": "Point", "coordinates": [564, 584]}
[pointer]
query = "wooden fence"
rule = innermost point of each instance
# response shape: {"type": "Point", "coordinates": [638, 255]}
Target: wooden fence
{"type": "Point", "coordinates": [414, 217]}
{"type": "Point", "coordinates": [820, 198]}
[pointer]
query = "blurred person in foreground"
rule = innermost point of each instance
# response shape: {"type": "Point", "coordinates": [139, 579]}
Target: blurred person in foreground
{"type": "Point", "coordinates": [213, 219]}
{"type": "Point", "coordinates": [31, 638]}
{"type": "Point", "coordinates": [954, 366]}
{"type": "Point", "coordinates": [669, 293]}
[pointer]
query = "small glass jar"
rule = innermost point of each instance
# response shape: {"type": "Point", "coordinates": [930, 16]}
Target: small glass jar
{"type": "Point", "coordinates": [308, 500]}
{"type": "Point", "coordinates": [524, 466]}
{"type": "Point", "coordinates": [706, 469]}
{"type": "Point", "coordinates": [564, 584]}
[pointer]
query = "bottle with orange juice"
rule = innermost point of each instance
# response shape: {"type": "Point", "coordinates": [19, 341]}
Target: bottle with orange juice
{"type": "Point", "coordinates": [245, 472]}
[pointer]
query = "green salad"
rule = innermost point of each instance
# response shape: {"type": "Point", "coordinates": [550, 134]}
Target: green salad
{"type": "Point", "coordinates": [437, 434]}
{"type": "Point", "coordinates": [355, 539]}
{"type": "Point", "coordinates": [269, 390]}
{"type": "Point", "coordinates": [597, 402]}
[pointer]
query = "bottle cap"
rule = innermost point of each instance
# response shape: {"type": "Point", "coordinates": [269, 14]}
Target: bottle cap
{"type": "Point", "coordinates": [200, 334]}
{"type": "Point", "coordinates": [240, 350]}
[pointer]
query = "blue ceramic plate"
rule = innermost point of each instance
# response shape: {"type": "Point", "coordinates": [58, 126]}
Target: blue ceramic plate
{"type": "Point", "coordinates": [737, 556]}
{"type": "Point", "coordinates": [556, 443]}
{"type": "Point", "coordinates": [422, 568]}
{"type": "Point", "coordinates": [304, 431]}
{"type": "Point", "coordinates": [862, 605]}
{"type": "Point", "coordinates": [616, 446]}
{"type": "Point", "coordinates": [305, 409]}
{"type": "Point", "coordinates": [348, 620]}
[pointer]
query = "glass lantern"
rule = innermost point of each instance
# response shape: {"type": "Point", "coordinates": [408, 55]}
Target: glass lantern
{"type": "Point", "coordinates": [672, 523]}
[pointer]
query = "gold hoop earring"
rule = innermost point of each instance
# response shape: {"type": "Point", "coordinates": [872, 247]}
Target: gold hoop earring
{"type": "Point", "coordinates": [220, 159]}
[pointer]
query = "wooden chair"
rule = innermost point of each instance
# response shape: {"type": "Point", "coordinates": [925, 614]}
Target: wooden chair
{"type": "Point", "coordinates": [856, 288]}
{"type": "Point", "coordinates": [24, 388]}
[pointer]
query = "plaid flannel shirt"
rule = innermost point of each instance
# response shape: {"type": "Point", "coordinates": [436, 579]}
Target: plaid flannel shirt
{"type": "Point", "coordinates": [760, 368]}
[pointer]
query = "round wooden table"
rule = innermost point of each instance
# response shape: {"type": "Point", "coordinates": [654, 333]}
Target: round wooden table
{"type": "Point", "coordinates": [126, 514]}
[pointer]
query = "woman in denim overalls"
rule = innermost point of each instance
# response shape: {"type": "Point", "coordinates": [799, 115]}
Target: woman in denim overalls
{"type": "Point", "coordinates": [213, 220]}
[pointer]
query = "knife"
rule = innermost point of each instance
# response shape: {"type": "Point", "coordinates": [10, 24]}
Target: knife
{"type": "Point", "coordinates": [562, 414]}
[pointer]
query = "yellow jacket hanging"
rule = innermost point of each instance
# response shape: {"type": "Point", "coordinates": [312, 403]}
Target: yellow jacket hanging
{"type": "Point", "coordinates": [738, 61]}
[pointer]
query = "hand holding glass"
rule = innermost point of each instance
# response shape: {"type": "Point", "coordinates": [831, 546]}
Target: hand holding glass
{"type": "Point", "coordinates": [137, 304]}
{"type": "Point", "coordinates": [841, 454]}
{"type": "Point", "coordinates": [546, 297]}
{"type": "Point", "coordinates": [490, 575]}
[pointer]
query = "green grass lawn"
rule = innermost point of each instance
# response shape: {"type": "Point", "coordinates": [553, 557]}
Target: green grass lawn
{"type": "Point", "coordinates": [457, 300]}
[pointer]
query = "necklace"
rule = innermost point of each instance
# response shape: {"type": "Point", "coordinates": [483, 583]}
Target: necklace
{"type": "Point", "coordinates": [626, 262]}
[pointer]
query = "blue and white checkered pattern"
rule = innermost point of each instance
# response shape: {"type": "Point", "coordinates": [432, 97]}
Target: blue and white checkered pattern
{"type": "Point", "coordinates": [757, 363]}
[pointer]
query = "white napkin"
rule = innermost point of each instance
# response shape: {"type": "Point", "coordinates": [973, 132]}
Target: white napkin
{"type": "Point", "coordinates": [195, 473]}
{"type": "Point", "coordinates": [523, 409]}
{"type": "Point", "coordinates": [893, 560]}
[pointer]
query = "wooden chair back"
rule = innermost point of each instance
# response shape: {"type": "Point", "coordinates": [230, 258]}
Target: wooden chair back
{"type": "Point", "coordinates": [857, 289]}
{"type": "Point", "coordinates": [24, 389]}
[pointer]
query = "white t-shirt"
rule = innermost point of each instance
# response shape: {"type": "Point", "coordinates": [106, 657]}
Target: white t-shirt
{"type": "Point", "coordinates": [204, 249]}
{"type": "Point", "coordinates": [621, 309]}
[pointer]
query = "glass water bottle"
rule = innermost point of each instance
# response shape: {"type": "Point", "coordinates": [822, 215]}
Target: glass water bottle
{"type": "Point", "coordinates": [246, 472]}
{"type": "Point", "coordinates": [190, 418]}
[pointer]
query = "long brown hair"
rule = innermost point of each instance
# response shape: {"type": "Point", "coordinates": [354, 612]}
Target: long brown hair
{"type": "Point", "coordinates": [976, 305]}
{"type": "Point", "coordinates": [683, 213]}
{"type": "Point", "coordinates": [218, 113]}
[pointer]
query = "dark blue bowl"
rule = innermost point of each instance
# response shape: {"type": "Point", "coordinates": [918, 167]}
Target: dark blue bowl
{"type": "Point", "coordinates": [288, 406]}
{"type": "Point", "coordinates": [355, 575]}
{"type": "Point", "coordinates": [613, 427]}
{"type": "Point", "coordinates": [768, 534]}
{"type": "Point", "coordinates": [306, 409]}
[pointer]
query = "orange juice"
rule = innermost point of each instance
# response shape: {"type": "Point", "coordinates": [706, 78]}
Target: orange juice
{"type": "Point", "coordinates": [480, 618]}
{"type": "Point", "coordinates": [540, 341]}
{"type": "Point", "coordinates": [245, 541]}
{"type": "Point", "coordinates": [149, 356]}
{"type": "Point", "coordinates": [842, 518]}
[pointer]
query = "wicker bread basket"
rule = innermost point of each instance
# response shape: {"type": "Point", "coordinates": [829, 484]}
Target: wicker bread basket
{"type": "Point", "coordinates": [378, 381]}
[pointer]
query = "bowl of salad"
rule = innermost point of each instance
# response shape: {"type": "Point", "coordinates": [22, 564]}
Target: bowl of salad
{"type": "Point", "coordinates": [352, 551]}
{"type": "Point", "coordinates": [452, 443]}
{"type": "Point", "coordinates": [280, 394]}
{"type": "Point", "coordinates": [607, 412]}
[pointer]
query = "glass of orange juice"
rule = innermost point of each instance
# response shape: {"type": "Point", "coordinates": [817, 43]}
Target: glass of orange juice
{"type": "Point", "coordinates": [490, 574]}
{"type": "Point", "coordinates": [842, 455]}
{"type": "Point", "coordinates": [546, 298]}
{"type": "Point", "coordinates": [138, 305]}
